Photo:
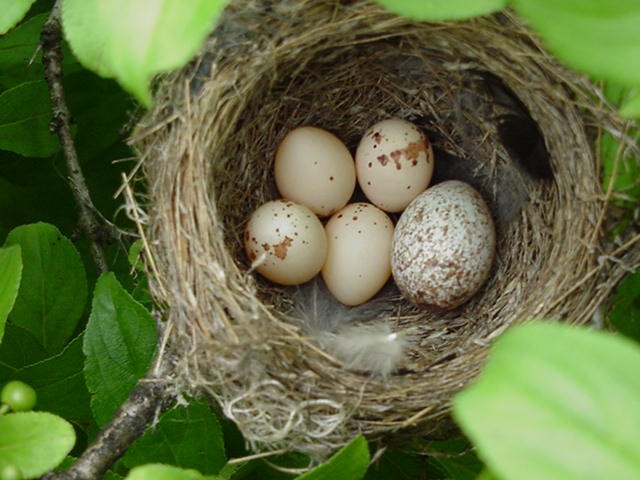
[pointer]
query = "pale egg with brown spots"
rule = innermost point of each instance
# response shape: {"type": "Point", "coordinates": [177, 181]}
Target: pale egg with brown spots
{"type": "Point", "coordinates": [443, 246]}
{"type": "Point", "coordinates": [359, 255]}
{"type": "Point", "coordinates": [394, 163]}
{"type": "Point", "coordinates": [285, 242]}
{"type": "Point", "coordinates": [314, 168]}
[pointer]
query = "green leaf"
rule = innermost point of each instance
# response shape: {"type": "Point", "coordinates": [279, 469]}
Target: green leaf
{"type": "Point", "coordinates": [44, 194]}
{"type": "Point", "coordinates": [59, 383]}
{"type": "Point", "coordinates": [18, 350]}
{"type": "Point", "coordinates": [21, 58]}
{"type": "Point", "coordinates": [17, 49]}
{"type": "Point", "coordinates": [25, 114]}
{"type": "Point", "coordinates": [119, 343]}
{"type": "Point", "coordinates": [556, 402]}
{"type": "Point", "coordinates": [132, 41]}
{"type": "Point", "coordinates": [463, 467]}
{"type": "Point", "coordinates": [631, 107]}
{"type": "Point", "coordinates": [100, 108]}
{"type": "Point", "coordinates": [349, 463]}
{"type": "Point", "coordinates": [34, 441]}
{"type": "Point", "coordinates": [135, 254]}
{"type": "Point", "coordinates": [10, 274]}
{"type": "Point", "coordinates": [236, 471]}
{"type": "Point", "coordinates": [53, 290]}
{"type": "Point", "coordinates": [397, 466]}
{"type": "Point", "coordinates": [162, 472]}
{"type": "Point", "coordinates": [442, 9]}
{"type": "Point", "coordinates": [11, 12]}
{"type": "Point", "coordinates": [188, 437]}
{"type": "Point", "coordinates": [625, 307]}
{"type": "Point", "coordinates": [626, 183]}
{"type": "Point", "coordinates": [453, 459]}
{"type": "Point", "coordinates": [109, 475]}
{"type": "Point", "coordinates": [486, 475]}
{"type": "Point", "coordinates": [596, 37]}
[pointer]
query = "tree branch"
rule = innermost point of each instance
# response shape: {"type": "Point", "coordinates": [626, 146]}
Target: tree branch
{"type": "Point", "coordinates": [148, 399]}
{"type": "Point", "coordinates": [50, 38]}
{"type": "Point", "coordinates": [145, 403]}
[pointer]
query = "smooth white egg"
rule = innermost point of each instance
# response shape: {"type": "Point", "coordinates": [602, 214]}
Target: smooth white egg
{"type": "Point", "coordinates": [394, 163]}
{"type": "Point", "coordinates": [285, 242]}
{"type": "Point", "coordinates": [359, 254]}
{"type": "Point", "coordinates": [314, 168]}
{"type": "Point", "coordinates": [443, 246]}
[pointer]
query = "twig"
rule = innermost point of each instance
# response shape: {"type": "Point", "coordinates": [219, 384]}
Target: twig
{"type": "Point", "coordinates": [149, 398]}
{"type": "Point", "coordinates": [50, 39]}
{"type": "Point", "coordinates": [144, 405]}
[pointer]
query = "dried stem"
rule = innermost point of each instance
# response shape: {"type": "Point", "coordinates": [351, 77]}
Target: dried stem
{"type": "Point", "coordinates": [50, 38]}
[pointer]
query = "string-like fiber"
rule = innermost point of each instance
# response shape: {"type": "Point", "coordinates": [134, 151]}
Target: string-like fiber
{"type": "Point", "coordinates": [207, 149]}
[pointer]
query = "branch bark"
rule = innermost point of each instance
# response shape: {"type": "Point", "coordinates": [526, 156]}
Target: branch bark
{"type": "Point", "coordinates": [95, 231]}
{"type": "Point", "coordinates": [145, 403]}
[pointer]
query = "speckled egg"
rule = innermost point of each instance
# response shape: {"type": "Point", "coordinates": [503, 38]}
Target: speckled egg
{"type": "Point", "coordinates": [359, 254]}
{"type": "Point", "coordinates": [285, 242]}
{"type": "Point", "coordinates": [394, 163]}
{"type": "Point", "coordinates": [314, 168]}
{"type": "Point", "coordinates": [443, 246]}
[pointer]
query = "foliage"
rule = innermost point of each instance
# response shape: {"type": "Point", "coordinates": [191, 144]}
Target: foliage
{"type": "Point", "coordinates": [25, 114]}
{"type": "Point", "coordinates": [163, 472]}
{"type": "Point", "coordinates": [119, 344]}
{"type": "Point", "coordinates": [34, 442]}
{"type": "Point", "coordinates": [167, 33]}
{"type": "Point", "coordinates": [53, 289]}
{"type": "Point", "coordinates": [171, 440]}
{"type": "Point", "coordinates": [351, 462]}
{"type": "Point", "coordinates": [600, 38]}
{"type": "Point", "coordinates": [544, 384]}
{"type": "Point", "coordinates": [11, 12]}
{"type": "Point", "coordinates": [443, 9]}
{"type": "Point", "coordinates": [549, 405]}
{"type": "Point", "coordinates": [10, 274]}
{"type": "Point", "coordinates": [621, 170]}
{"type": "Point", "coordinates": [624, 314]}
{"type": "Point", "coordinates": [59, 383]}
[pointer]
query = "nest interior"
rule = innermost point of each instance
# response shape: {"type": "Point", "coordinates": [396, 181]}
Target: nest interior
{"type": "Point", "coordinates": [501, 115]}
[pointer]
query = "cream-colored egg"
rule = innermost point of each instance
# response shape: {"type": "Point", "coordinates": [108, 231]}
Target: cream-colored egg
{"type": "Point", "coordinates": [359, 256]}
{"type": "Point", "coordinates": [285, 242]}
{"type": "Point", "coordinates": [394, 163]}
{"type": "Point", "coordinates": [314, 168]}
{"type": "Point", "coordinates": [443, 246]}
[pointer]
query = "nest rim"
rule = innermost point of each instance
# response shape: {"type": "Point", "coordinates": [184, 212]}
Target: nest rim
{"type": "Point", "coordinates": [276, 383]}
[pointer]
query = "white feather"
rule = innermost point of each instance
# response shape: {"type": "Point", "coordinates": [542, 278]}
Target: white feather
{"type": "Point", "coordinates": [319, 311]}
{"type": "Point", "coordinates": [360, 337]}
{"type": "Point", "coordinates": [371, 347]}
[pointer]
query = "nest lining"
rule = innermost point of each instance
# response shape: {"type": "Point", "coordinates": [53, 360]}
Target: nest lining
{"type": "Point", "coordinates": [208, 147]}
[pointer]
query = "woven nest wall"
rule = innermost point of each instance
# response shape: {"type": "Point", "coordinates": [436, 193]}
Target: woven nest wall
{"type": "Point", "coordinates": [207, 150]}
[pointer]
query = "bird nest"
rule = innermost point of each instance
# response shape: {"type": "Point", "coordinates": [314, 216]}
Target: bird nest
{"type": "Point", "coordinates": [501, 115]}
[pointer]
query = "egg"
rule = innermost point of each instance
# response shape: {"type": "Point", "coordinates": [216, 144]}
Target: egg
{"type": "Point", "coordinates": [359, 255]}
{"type": "Point", "coordinates": [314, 168]}
{"type": "Point", "coordinates": [394, 163]}
{"type": "Point", "coordinates": [285, 242]}
{"type": "Point", "coordinates": [443, 246]}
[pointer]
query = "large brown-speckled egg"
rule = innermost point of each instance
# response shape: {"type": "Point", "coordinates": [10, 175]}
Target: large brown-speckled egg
{"type": "Point", "coordinates": [394, 163]}
{"type": "Point", "coordinates": [443, 246]}
{"type": "Point", "coordinates": [285, 242]}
